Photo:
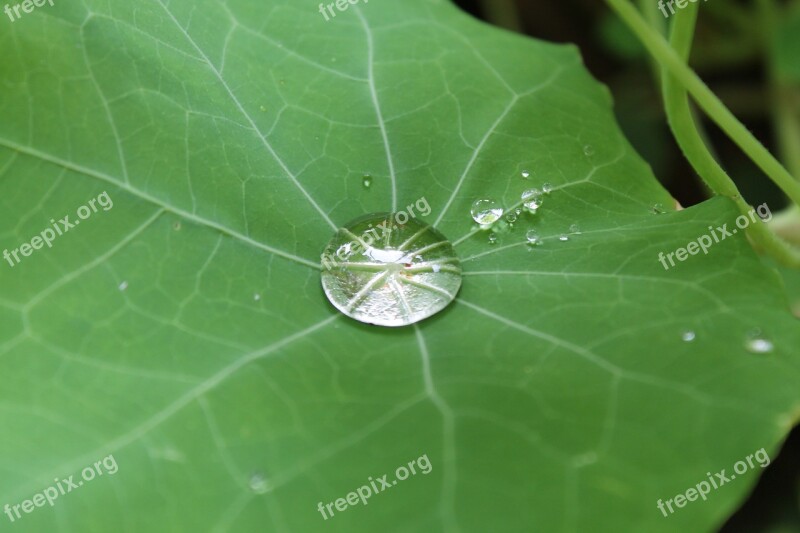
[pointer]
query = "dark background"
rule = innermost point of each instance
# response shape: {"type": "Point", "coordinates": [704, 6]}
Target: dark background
{"type": "Point", "coordinates": [731, 59]}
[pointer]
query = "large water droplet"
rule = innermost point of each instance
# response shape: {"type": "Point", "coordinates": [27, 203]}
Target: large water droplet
{"type": "Point", "coordinates": [757, 343]}
{"type": "Point", "coordinates": [377, 281]}
{"type": "Point", "coordinates": [532, 199]}
{"type": "Point", "coordinates": [486, 211]}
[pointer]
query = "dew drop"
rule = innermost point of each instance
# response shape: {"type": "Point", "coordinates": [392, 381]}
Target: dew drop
{"type": "Point", "coordinates": [486, 211]}
{"type": "Point", "coordinates": [259, 484]}
{"type": "Point", "coordinates": [575, 229]}
{"type": "Point", "coordinates": [588, 150]}
{"type": "Point", "coordinates": [123, 285]}
{"type": "Point", "coordinates": [532, 199]}
{"type": "Point", "coordinates": [262, 108]}
{"type": "Point", "coordinates": [533, 237]}
{"type": "Point", "coordinates": [526, 174]}
{"type": "Point", "coordinates": [366, 181]}
{"type": "Point", "coordinates": [563, 237]}
{"type": "Point", "coordinates": [492, 238]}
{"type": "Point", "coordinates": [657, 209]}
{"type": "Point", "coordinates": [511, 217]}
{"type": "Point", "coordinates": [547, 188]}
{"type": "Point", "coordinates": [757, 343]}
{"type": "Point", "coordinates": [518, 211]}
{"type": "Point", "coordinates": [688, 336]}
{"type": "Point", "coordinates": [377, 281]}
{"type": "Point", "coordinates": [256, 297]}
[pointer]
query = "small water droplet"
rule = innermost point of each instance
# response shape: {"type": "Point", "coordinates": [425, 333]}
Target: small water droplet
{"type": "Point", "coordinates": [657, 209]}
{"type": "Point", "coordinates": [532, 199]}
{"type": "Point", "coordinates": [533, 237]}
{"type": "Point", "coordinates": [526, 174]}
{"type": "Point", "coordinates": [688, 336]}
{"type": "Point", "coordinates": [518, 211]}
{"type": "Point", "coordinates": [380, 283]}
{"type": "Point", "coordinates": [588, 150]}
{"type": "Point", "coordinates": [575, 229]}
{"type": "Point", "coordinates": [366, 181]}
{"type": "Point", "coordinates": [563, 238]}
{"type": "Point", "coordinates": [262, 108]}
{"type": "Point", "coordinates": [492, 238]}
{"type": "Point", "coordinates": [259, 484]}
{"type": "Point", "coordinates": [256, 297]}
{"type": "Point", "coordinates": [547, 188]}
{"type": "Point", "coordinates": [757, 343]}
{"type": "Point", "coordinates": [176, 226]}
{"type": "Point", "coordinates": [486, 211]}
{"type": "Point", "coordinates": [123, 285]}
{"type": "Point", "coordinates": [511, 217]}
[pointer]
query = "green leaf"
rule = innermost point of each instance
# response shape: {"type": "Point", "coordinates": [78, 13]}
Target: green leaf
{"type": "Point", "coordinates": [184, 331]}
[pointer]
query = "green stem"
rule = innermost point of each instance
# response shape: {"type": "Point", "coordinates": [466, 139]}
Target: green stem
{"type": "Point", "coordinates": [709, 102]}
{"type": "Point", "coordinates": [682, 123]}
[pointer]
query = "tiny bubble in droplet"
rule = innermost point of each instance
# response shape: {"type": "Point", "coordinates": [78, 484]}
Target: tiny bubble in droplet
{"type": "Point", "coordinates": [259, 484]}
{"type": "Point", "coordinates": [757, 343]}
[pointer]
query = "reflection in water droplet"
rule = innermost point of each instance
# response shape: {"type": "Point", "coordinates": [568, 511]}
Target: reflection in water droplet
{"type": "Point", "coordinates": [492, 238]}
{"type": "Point", "coordinates": [588, 150]}
{"type": "Point", "coordinates": [526, 174]}
{"type": "Point", "coordinates": [532, 199]}
{"type": "Point", "coordinates": [376, 280]}
{"type": "Point", "coordinates": [533, 237]}
{"type": "Point", "coordinates": [563, 238]}
{"type": "Point", "coordinates": [123, 285]}
{"type": "Point", "coordinates": [366, 181]}
{"type": "Point", "coordinates": [259, 484]}
{"type": "Point", "coordinates": [657, 209]}
{"type": "Point", "coordinates": [688, 336]}
{"type": "Point", "coordinates": [547, 188]}
{"type": "Point", "coordinates": [486, 211]}
{"type": "Point", "coordinates": [757, 343]}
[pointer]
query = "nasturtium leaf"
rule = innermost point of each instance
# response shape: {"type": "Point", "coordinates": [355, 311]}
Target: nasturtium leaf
{"type": "Point", "coordinates": [185, 332]}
